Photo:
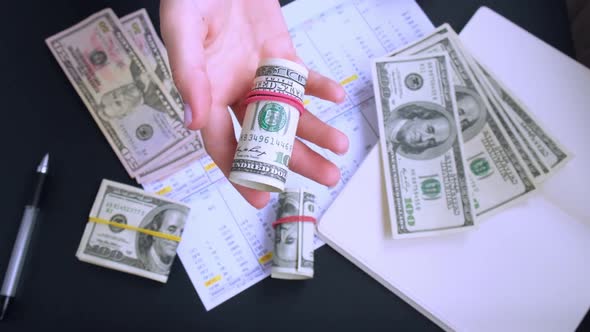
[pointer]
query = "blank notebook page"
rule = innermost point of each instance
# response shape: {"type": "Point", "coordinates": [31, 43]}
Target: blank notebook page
{"type": "Point", "coordinates": [524, 268]}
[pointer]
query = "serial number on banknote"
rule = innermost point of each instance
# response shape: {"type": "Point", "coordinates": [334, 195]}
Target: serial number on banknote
{"type": "Point", "coordinates": [267, 140]}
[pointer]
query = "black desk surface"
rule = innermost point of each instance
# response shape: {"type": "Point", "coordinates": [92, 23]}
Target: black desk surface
{"type": "Point", "coordinates": [42, 113]}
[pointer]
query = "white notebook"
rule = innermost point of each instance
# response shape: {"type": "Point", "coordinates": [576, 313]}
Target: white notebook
{"type": "Point", "coordinates": [524, 269]}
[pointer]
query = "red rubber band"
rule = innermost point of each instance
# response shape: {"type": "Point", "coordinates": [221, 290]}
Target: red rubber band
{"type": "Point", "coordinates": [273, 94]}
{"type": "Point", "coordinates": [255, 96]}
{"type": "Point", "coordinates": [289, 219]}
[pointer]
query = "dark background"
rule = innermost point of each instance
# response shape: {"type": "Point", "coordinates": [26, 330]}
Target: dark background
{"type": "Point", "coordinates": [42, 113]}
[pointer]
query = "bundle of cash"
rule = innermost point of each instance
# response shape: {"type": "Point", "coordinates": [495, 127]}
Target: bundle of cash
{"type": "Point", "coordinates": [266, 141]}
{"type": "Point", "coordinates": [294, 233]}
{"type": "Point", "coordinates": [133, 231]}
{"type": "Point", "coordinates": [120, 69]}
{"type": "Point", "coordinates": [456, 145]}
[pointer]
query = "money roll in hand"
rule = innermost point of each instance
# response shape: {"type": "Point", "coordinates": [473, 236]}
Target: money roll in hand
{"type": "Point", "coordinates": [294, 232]}
{"type": "Point", "coordinates": [273, 108]}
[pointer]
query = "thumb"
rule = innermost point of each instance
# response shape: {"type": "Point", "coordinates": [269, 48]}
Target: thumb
{"type": "Point", "coordinates": [184, 30]}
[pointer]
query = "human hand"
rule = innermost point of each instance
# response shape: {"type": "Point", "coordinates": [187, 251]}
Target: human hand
{"type": "Point", "coordinates": [214, 48]}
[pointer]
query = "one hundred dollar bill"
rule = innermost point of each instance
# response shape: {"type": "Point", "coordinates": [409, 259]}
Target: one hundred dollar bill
{"type": "Point", "coordinates": [280, 76]}
{"type": "Point", "coordinates": [497, 172]}
{"type": "Point", "coordinates": [421, 146]}
{"type": "Point", "coordinates": [293, 249]}
{"type": "Point", "coordinates": [134, 111]}
{"type": "Point", "coordinates": [147, 41]}
{"type": "Point", "coordinates": [127, 249]}
{"type": "Point", "coordinates": [550, 152]}
{"type": "Point", "coordinates": [528, 155]}
{"type": "Point", "coordinates": [265, 144]}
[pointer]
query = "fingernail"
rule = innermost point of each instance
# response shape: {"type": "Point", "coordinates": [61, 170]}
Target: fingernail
{"type": "Point", "coordinates": [188, 115]}
{"type": "Point", "coordinates": [346, 143]}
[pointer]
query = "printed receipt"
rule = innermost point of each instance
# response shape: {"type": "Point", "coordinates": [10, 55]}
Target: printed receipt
{"type": "Point", "coordinates": [227, 245]}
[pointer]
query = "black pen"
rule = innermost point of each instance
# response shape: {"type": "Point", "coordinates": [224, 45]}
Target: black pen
{"type": "Point", "coordinates": [22, 243]}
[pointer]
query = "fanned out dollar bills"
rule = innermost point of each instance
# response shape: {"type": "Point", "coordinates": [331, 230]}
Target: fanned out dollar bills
{"type": "Point", "coordinates": [126, 248]}
{"type": "Point", "coordinates": [456, 145]}
{"type": "Point", "coordinates": [120, 70]}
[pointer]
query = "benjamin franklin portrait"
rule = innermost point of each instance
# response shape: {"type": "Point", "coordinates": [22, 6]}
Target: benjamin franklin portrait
{"type": "Point", "coordinates": [285, 249]}
{"type": "Point", "coordinates": [472, 112]}
{"type": "Point", "coordinates": [420, 130]}
{"type": "Point", "coordinates": [156, 253]}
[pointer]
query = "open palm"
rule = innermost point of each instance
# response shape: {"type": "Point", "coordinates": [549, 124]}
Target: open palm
{"type": "Point", "coordinates": [215, 47]}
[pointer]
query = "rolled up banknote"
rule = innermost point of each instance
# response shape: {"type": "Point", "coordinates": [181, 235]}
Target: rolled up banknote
{"type": "Point", "coordinates": [281, 76]}
{"type": "Point", "coordinates": [294, 232]}
{"type": "Point", "coordinates": [421, 146]}
{"type": "Point", "coordinates": [132, 231]}
{"type": "Point", "coordinates": [266, 141]}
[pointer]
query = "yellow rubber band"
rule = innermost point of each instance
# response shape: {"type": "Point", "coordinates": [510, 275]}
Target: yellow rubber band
{"type": "Point", "coordinates": [138, 229]}
{"type": "Point", "coordinates": [267, 257]}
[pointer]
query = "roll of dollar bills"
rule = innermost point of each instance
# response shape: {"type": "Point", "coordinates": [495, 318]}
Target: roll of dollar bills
{"type": "Point", "coordinates": [265, 144]}
{"type": "Point", "coordinates": [281, 76]}
{"type": "Point", "coordinates": [294, 232]}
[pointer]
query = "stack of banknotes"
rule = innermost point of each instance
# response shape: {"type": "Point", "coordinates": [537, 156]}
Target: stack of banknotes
{"type": "Point", "coordinates": [456, 145]}
{"type": "Point", "coordinates": [120, 69]}
{"type": "Point", "coordinates": [132, 231]}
